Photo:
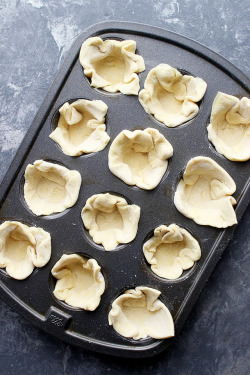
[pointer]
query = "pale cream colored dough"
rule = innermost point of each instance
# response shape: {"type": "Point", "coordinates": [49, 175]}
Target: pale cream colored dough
{"type": "Point", "coordinates": [22, 248]}
{"type": "Point", "coordinates": [170, 96]}
{"type": "Point", "coordinates": [50, 188]}
{"type": "Point", "coordinates": [81, 127]}
{"type": "Point", "coordinates": [171, 250]}
{"type": "Point", "coordinates": [140, 157]}
{"type": "Point", "coordinates": [110, 220]}
{"type": "Point", "coordinates": [112, 65]}
{"type": "Point", "coordinates": [229, 128]}
{"type": "Point", "coordinates": [80, 282]}
{"type": "Point", "coordinates": [138, 313]}
{"type": "Point", "coordinates": [204, 193]}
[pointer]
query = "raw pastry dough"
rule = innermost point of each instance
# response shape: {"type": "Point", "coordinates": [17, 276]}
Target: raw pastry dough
{"type": "Point", "coordinates": [139, 313]}
{"type": "Point", "coordinates": [110, 220]}
{"type": "Point", "coordinates": [204, 194]}
{"type": "Point", "coordinates": [171, 250]}
{"type": "Point", "coordinates": [140, 157]}
{"type": "Point", "coordinates": [22, 248]}
{"type": "Point", "coordinates": [170, 96]}
{"type": "Point", "coordinates": [229, 128]}
{"type": "Point", "coordinates": [81, 127]}
{"type": "Point", "coordinates": [80, 282]}
{"type": "Point", "coordinates": [112, 65]}
{"type": "Point", "coordinates": [50, 187]}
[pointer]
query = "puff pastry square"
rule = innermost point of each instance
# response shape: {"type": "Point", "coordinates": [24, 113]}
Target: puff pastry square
{"type": "Point", "coordinates": [81, 128]}
{"type": "Point", "coordinates": [170, 96]}
{"type": "Point", "coordinates": [171, 250]}
{"type": "Point", "coordinates": [112, 65]}
{"type": "Point", "coordinates": [110, 220]}
{"type": "Point", "coordinates": [140, 157]}
{"type": "Point", "coordinates": [50, 187]}
{"type": "Point", "coordinates": [22, 248]}
{"type": "Point", "coordinates": [80, 282]}
{"type": "Point", "coordinates": [229, 128]}
{"type": "Point", "coordinates": [205, 193]}
{"type": "Point", "coordinates": [138, 313]}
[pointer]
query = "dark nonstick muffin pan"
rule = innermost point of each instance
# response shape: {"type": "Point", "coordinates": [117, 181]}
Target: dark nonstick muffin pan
{"type": "Point", "coordinates": [125, 267]}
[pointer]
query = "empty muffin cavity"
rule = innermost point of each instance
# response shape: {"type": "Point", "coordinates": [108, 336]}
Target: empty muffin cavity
{"type": "Point", "coordinates": [170, 96]}
{"type": "Point", "coordinates": [50, 188]}
{"type": "Point", "coordinates": [112, 65]}
{"type": "Point", "coordinates": [110, 220]}
{"type": "Point", "coordinates": [80, 282]}
{"type": "Point", "coordinates": [81, 128]}
{"type": "Point", "coordinates": [170, 251]}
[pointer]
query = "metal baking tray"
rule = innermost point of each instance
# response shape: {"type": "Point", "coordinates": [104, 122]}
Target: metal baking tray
{"type": "Point", "coordinates": [124, 267]}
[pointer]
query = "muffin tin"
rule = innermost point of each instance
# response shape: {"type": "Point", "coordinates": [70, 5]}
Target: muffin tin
{"type": "Point", "coordinates": [125, 267]}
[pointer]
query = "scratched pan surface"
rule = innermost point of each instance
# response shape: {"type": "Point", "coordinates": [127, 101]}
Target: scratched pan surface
{"type": "Point", "coordinates": [124, 267]}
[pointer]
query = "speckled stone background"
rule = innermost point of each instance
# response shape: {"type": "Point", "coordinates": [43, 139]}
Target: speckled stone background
{"type": "Point", "coordinates": [35, 35]}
